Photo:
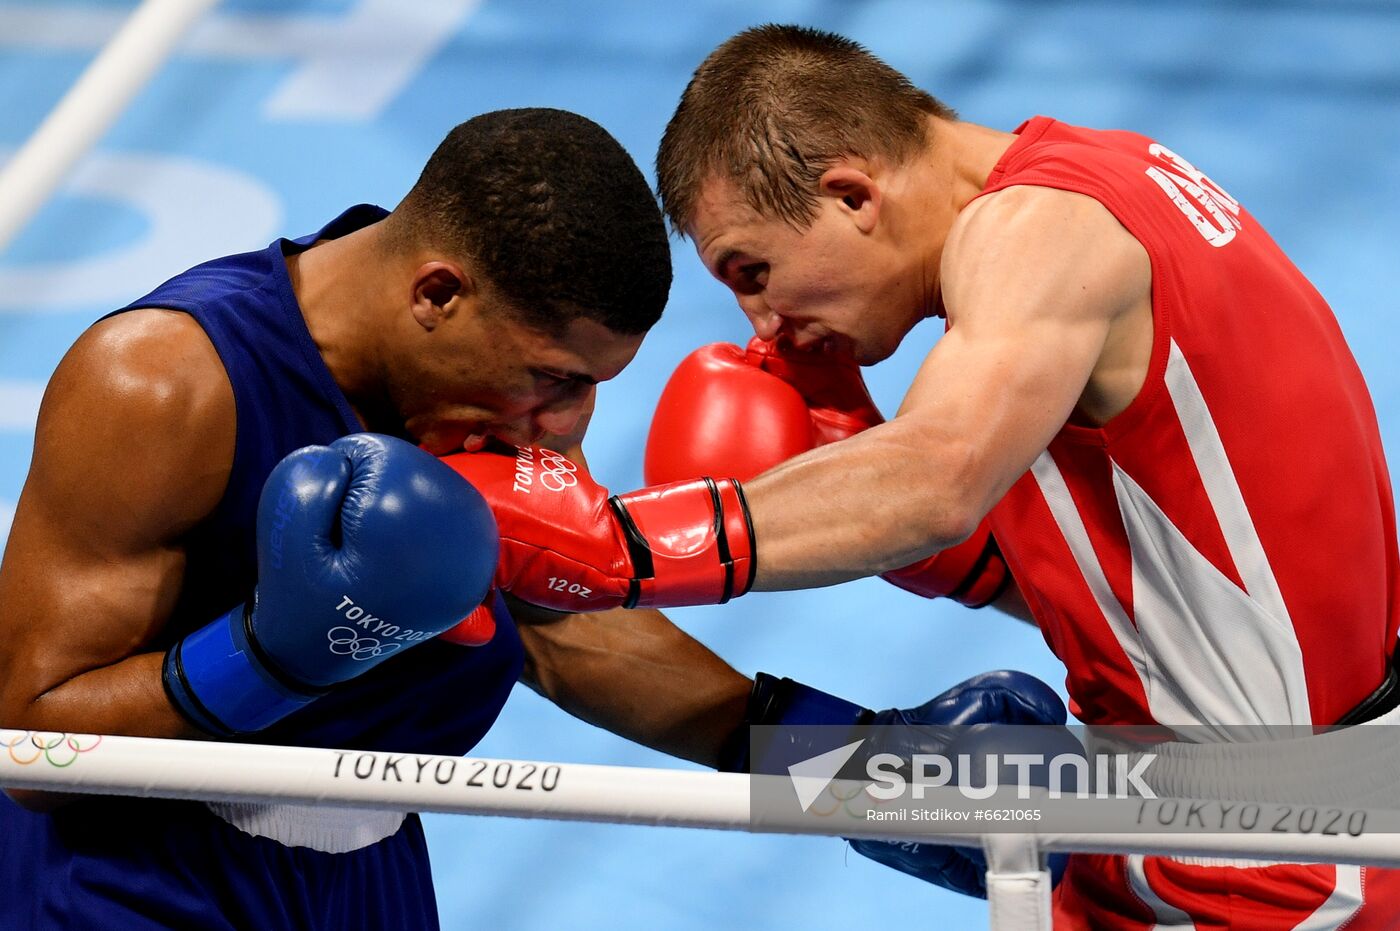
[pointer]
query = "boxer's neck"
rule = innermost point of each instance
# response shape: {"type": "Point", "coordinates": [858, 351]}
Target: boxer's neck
{"type": "Point", "coordinates": [345, 288]}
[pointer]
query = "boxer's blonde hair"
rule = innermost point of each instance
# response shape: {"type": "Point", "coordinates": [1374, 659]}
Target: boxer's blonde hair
{"type": "Point", "coordinates": [772, 108]}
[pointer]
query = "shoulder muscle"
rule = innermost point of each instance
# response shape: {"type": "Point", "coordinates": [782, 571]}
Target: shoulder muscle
{"type": "Point", "coordinates": [136, 430]}
{"type": "Point", "coordinates": [1044, 251]}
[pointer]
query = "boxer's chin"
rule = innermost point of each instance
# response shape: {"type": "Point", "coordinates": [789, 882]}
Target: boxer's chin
{"type": "Point", "coordinates": [871, 353]}
{"type": "Point", "coordinates": [441, 442]}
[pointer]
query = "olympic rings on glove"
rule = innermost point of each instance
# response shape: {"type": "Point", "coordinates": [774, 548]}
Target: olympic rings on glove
{"type": "Point", "coordinates": [556, 472]}
{"type": "Point", "coordinates": [346, 641]}
{"type": "Point", "coordinates": [58, 749]}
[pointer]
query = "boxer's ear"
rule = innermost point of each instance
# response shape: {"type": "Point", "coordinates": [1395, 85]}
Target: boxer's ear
{"type": "Point", "coordinates": [439, 288]}
{"type": "Point", "coordinates": [859, 193]}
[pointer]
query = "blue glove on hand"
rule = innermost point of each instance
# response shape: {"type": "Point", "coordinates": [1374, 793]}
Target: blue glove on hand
{"type": "Point", "coordinates": [1001, 697]}
{"type": "Point", "coordinates": [365, 547]}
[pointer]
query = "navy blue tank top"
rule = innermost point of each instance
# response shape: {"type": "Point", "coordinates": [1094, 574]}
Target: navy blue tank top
{"type": "Point", "coordinates": [435, 698]}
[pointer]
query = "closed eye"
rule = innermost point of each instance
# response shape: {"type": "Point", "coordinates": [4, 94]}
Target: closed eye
{"type": "Point", "coordinates": [551, 380]}
{"type": "Point", "coordinates": [561, 381]}
{"type": "Point", "coordinates": [750, 278]}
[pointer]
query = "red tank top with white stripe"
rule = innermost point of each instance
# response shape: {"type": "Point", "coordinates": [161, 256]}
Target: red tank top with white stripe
{"type": "Point", "coordinates": [1224, 550]}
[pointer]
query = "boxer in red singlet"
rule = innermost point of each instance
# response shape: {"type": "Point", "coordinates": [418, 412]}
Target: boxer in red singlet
{"type": "Point", "coordinates": [1139, 403]}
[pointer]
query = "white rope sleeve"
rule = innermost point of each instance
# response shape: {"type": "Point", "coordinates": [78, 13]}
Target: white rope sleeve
{"type": "Point", "coordinates": [231, 772]}
{"type": "Point", "coordinates": [1018, 885]}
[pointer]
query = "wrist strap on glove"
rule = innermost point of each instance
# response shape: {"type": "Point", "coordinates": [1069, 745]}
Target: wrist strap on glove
{"type": "Point", "coordinates": [784, 702]}
{"type": "Point", "coordinates": [221, 682]}
{"type": "Point", "coordinates": [690, 543]}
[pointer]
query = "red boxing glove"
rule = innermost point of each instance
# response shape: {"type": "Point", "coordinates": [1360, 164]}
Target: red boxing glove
{"type": "Point", "coordinates": [739, 412]}
{"type": "Point", "coordinates": [830, 384]}
{"type": "Point", "coordinates": [973, 573]}
{"type": "Point", "coordinates": [477, 628]}
{"type": "Point", "coordinates": [566, 545]}
{"type": "Point", "coordinates": [736, 412]}
{"type": "Point", "coordinates": [721, 415]}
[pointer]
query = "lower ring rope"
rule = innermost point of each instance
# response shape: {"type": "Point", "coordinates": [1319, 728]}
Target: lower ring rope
{"type": "Point", "coordinates": [226, 772]}
{"type": "Point", "coordinates": [253, 774]}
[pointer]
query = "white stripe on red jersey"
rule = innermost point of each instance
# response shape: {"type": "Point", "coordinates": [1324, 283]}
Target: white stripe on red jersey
{"type": "Point", "coordinates": [1222, 552]}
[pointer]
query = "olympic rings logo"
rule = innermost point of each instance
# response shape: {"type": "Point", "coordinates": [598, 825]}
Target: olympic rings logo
{"type": "Point", "coordinates": [855, 798]}
{"type": "Point", "coordinates": [556, 472]}
{"type": "Point", "coordinates": [346, 641]}
{"type": "Point", "coordinates": [56, 749]}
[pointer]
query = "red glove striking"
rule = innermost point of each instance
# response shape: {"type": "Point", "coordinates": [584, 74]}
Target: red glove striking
{"type": "Point", "coordinates": [728, 411]}
{"type": "Point", "coordinates": [566, 545]}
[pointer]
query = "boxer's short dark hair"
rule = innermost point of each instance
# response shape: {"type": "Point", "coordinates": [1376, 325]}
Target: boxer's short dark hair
{"type": "Point", "coordinates": [772, 108]}
{"type": "Point", "coordinates": [555, 213]}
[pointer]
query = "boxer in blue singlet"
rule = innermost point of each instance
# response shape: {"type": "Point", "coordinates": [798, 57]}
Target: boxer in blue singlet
{"type": "Point", "coordinates": [488, 303]}
{"type": "Point", "coordinates": [171, 477]}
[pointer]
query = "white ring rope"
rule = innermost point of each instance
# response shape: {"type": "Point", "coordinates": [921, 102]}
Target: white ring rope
{"type": "Point", "coordinates": [91, 105]}
{"type": "Point", "coordinates": [230, 772]}
{"type": "Point", "coordinates": [210, 771]}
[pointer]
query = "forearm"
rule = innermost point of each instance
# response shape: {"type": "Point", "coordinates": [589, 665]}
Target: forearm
{"type": "Point", "coordinates": [637, 675]}
{"type": "Point", "coordinates": [853, 509]}
{"type": "Point", "coordinates": [124, 698]}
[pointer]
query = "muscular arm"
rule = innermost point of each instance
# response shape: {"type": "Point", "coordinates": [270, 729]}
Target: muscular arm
{"type": "Point", "coordinates": [635, 674]}
{"type": "Point", "coordinates": [1034, 281]}
{"type": "Point", "coordinates": [631, 672]}
{"type": "Point", "coordinates": [133, 447]}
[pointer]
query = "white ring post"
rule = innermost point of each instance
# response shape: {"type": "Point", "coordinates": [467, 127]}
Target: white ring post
{"type": "Point", "coordinates": [90, 107]}
{"type": "Point", "coordinates": [1018, 883]}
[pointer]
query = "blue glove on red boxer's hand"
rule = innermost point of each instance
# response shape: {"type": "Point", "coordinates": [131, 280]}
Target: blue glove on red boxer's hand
{"type": "Point", "coordinates": [366, 547]}
{"type": "Point", "coordinates": [1002, 697]}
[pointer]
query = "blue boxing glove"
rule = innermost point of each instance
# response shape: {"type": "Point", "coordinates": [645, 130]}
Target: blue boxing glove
{"type": "Point", "coordinates": [1001, 697]}
{"type": "Point", "coordinates": [366, 547]}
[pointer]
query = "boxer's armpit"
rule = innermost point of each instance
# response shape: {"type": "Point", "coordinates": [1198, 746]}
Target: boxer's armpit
{"type": "Point", "coordinates": [1012, 602]}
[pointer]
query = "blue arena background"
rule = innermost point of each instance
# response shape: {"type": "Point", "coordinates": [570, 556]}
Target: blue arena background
{"type": "Point", "coordinates": [276, 114]}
